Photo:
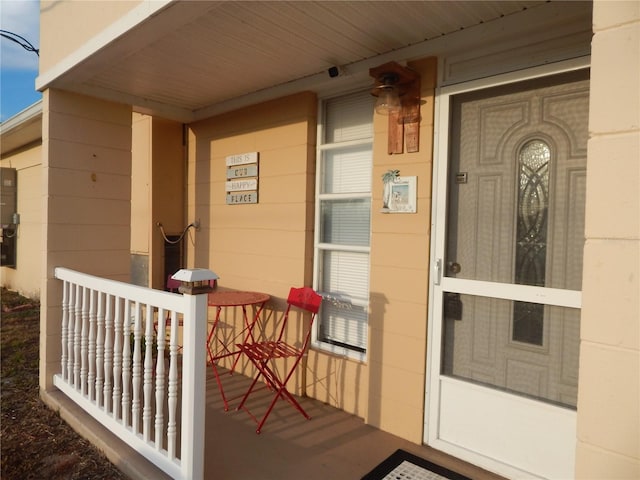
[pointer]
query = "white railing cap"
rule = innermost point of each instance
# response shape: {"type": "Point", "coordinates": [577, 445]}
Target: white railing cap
{"type": "Point", "coordinates": [194, 275]}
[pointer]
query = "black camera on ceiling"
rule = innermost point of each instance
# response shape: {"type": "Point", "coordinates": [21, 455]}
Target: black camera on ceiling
{"type": "Point", "coordinates": [334, 72]}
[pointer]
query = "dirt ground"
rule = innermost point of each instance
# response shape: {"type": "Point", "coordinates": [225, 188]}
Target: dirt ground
{"type": "Point", "coordinates": [35, 443]}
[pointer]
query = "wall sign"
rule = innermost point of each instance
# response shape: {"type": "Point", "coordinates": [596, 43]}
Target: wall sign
{"type": "Point", "coordinates": [238, 198]}
{"type": "Point", "coordinates": [238, 171]}
{"type": "Point", "coordinates": [242, 159]}
{"type": "Point", "coordinates": [242, 185]}
{"type": "Point", "coordinates": [242, 176]}
{"type": "Point", "coordinates": [399, 193]}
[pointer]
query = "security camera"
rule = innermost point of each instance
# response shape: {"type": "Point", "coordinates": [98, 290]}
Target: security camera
{"type": "Point", "coordinates": [335, 72]}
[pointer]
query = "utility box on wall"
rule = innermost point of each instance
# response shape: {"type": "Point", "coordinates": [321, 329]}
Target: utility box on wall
{"type": "Point", "coordinates": [8, 196]}
{"type": "Point", "coordinates": [9, 217]}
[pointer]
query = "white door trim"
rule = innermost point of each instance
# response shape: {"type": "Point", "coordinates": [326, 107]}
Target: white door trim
{"type": "Point", "coordinates": [565, 298]}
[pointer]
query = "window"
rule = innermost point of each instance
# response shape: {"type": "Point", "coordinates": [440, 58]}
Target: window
{"type": "Point", "coordinates": [9, 218]}
{"type": "Point", "coordinates": [343, 223]}
{"type": "Point", "coordinates": [531, 241]}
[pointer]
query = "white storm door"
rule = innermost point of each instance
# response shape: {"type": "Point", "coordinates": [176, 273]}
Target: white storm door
{"type": "Point", "coordinates": [506, 299]}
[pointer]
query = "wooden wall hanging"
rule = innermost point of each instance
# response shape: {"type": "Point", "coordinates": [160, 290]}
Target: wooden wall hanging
{"type": "Point", "coordinates": [404, 126]}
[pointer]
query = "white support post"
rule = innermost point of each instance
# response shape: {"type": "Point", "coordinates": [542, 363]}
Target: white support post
{"type": "Point", "coordinates": [194, 388]}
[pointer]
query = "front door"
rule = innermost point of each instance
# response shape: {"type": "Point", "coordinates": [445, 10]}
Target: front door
{"type": "Point", "coordinates": [506, 297]}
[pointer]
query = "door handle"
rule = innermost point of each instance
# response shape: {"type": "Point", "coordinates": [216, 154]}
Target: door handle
{"type": "Point", "coordinates": [437, 271]}
{"type": "Point", "coordinates": [454, 267]}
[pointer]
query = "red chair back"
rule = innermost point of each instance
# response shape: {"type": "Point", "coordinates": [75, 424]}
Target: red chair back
{"type": "Point", "coordinates": [305, 298]}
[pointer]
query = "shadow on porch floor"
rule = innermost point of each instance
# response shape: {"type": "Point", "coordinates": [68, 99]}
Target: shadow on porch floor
{"type": "Point", "coordinates": [332, 445]}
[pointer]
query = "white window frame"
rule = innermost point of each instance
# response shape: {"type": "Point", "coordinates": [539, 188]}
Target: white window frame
{"type": "Point", "coordinates": [319, 247]}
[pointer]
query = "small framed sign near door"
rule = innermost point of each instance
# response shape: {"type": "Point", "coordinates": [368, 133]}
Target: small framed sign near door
{"type": "Point", "coordinates": [402, 195]}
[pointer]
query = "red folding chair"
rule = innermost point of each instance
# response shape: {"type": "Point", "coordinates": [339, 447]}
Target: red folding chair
{"type": "Point", "coordinates": [264, 354]}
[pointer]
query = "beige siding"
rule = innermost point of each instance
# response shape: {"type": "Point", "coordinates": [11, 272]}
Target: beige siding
{"type": "Point", "coordinates": [86, 159]}
{"type": "Point", "coordinates": [140, 182]}
{"type": "Point", "coordinates": [264, 246]}
{"type": "Point", "coordinates": [609, 387]}
{"type": "Point", "coordinates": [68, 26]}
{"type": "Point", "coordinates": [157, 193]}
{"type": "Point", "coordinates": [168, 197]}
{"type": "Point", "coordinates": [399, 281]}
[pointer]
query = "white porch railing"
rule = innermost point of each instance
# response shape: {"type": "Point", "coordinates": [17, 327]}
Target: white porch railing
{"type": "Point", "coordinates": [117, 367]}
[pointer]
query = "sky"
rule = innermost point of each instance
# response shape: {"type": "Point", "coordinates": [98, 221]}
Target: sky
{"type": "Point", "coordinates": [18, 67]}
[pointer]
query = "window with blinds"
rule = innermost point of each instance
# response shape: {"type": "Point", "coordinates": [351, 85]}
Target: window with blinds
{"type": "Point", "coordinates": [343, 222]}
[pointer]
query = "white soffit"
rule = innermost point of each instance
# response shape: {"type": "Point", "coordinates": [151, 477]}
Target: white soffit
{"type": "Point", "coordinates": [191, 56]}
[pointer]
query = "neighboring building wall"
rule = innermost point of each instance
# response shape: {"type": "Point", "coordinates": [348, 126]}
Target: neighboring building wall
{"type": "Point", "coordinates": [609, 387]}
{"type": "Point", "coordinates": [25, 278]}
{"type": "Point", "coordinates": [86, 158]}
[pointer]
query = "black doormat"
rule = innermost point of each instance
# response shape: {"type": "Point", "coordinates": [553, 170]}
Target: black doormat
{"type": "Point", "coordinates": [406, 466]}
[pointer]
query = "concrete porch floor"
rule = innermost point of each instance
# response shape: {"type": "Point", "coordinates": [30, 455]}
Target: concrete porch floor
{"type": "Point", "coordinates": [332, 445]}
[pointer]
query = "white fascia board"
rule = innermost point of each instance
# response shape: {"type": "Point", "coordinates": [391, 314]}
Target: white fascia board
{"type": "Point", "coordinates": [32, 111]}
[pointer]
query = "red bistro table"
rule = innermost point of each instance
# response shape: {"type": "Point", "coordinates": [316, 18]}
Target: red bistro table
{"type": "Point", "coordinates": [227, 341]}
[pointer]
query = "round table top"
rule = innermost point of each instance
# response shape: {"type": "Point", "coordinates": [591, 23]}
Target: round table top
{"type": "Point", "coordinates": [234, 298]}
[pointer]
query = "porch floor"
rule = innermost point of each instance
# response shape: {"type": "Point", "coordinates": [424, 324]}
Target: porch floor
{"type": "Point", "coordinates": [332, 445]}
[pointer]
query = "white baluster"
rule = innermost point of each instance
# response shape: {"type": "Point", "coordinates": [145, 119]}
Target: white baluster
{"type": "Point", "coordinates": [99, 349]}
{"type": "Point", "coordinates": [148, 374]}
{"type": "Point", "coordinates": [77, 338]}
{"type": "Point", "coordinates": [173, 386]}
{"type": "Point", "coordinates": [71, 333]}
{"type": "Point", "coordinates": [84, 341]}
{"type": "Point", "coordinates": [117, 358]}
{"type": "Point", "coordinates": [64, 329]}
{"type": "Point", "coordinates": [137, 370]}
{"type": "Point", "coordinates": [91, 353]}
{"type": "Point", "coordinates": [108, 352]}
{"type": "Point", "coordinates": [160, 379]}
{"type": "Point", "coordinates": [126, 364]}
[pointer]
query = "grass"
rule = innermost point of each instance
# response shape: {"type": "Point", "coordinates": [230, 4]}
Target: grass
{"type": "Point", "coordinates": [35, 443]}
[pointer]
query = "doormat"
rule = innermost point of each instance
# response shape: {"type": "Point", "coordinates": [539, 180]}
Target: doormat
{"type": "Point", "coordinates": [406, 466]}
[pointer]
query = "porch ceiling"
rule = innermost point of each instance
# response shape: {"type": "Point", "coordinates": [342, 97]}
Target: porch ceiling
{"type": "Point", "coordinates": [190, 57]}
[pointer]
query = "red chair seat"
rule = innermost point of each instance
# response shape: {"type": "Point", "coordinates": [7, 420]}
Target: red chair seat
{"type": "Point", "coordinates": [268, 350]}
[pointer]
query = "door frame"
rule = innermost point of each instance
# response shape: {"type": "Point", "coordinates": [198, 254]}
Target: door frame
{"type": "Point", "coordinates": [439, 282]}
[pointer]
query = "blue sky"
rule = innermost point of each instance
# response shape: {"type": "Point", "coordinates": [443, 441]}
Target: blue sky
{"type": "Point", "coordinates": [18, 67]}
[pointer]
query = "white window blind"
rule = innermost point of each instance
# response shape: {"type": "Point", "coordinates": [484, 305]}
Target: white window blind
{"type": "Point", "coordinates": [343, 170]}
{"type": "Point", "coordinates": [343, 222]}
{"type": "Point", "coordinates": [348, 118]}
